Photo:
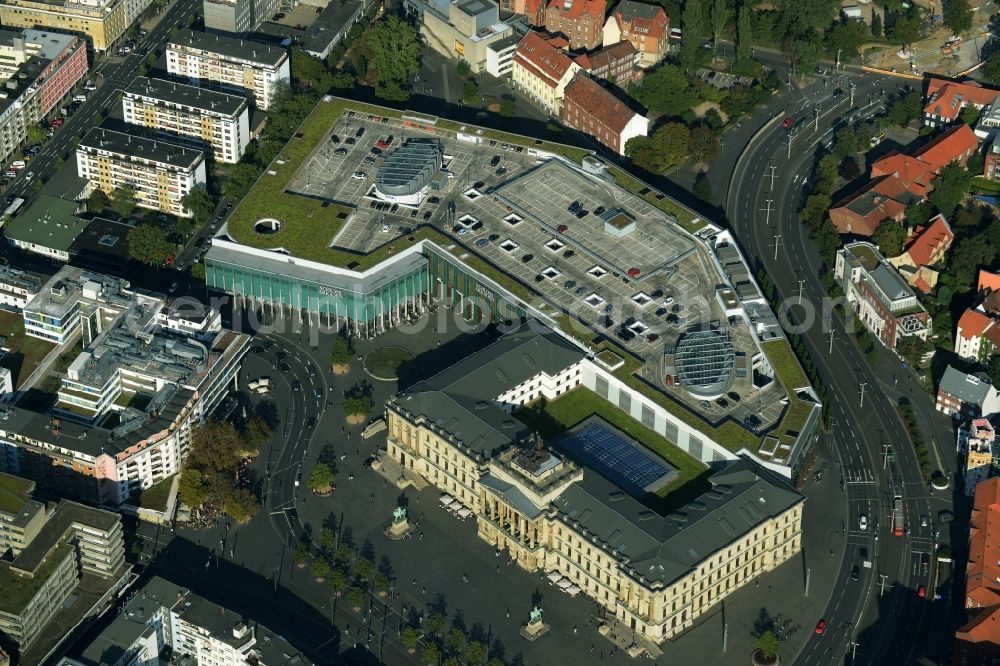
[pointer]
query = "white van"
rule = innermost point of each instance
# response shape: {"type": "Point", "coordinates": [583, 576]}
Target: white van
{"type": "Point", "coordinates": [17, 164]}
{"type": "Point", "coordinates": [79, 98]}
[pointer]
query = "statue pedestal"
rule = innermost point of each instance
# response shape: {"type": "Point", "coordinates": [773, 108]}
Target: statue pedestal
{"type": "Point", "coordinates": [397, 531]}
{"type": "Point", "coordinates": [534, 630]}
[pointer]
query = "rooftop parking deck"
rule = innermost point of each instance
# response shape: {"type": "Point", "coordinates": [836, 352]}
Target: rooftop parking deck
{"type": "Point", "coordinates": [619, 269]}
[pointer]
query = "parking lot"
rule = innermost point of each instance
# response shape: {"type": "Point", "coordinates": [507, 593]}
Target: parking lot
{"type": "Point", "coordinates": [588, 248]}
{"type": "Point", "coordinates": [343, 168]}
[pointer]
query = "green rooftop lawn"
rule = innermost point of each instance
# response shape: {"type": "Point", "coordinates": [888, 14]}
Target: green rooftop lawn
{"type": "Point", "coordinates": [791, 375]}
{"type": "Point", "coordinates": [155, 497]}
{"type": "Point", "coordinates": [685, 217]}
{"type": "Point", "coordinates": [308, 228]}
{"type": "Point", "coordinates": [14, 492]}
{"type": "Point", "coordinates": [561, 414]}
{"type": "Point", "coordinates": [25, 352]}
{"type": "Point", "coordinates": [19, 590]}
{"type": "Point", "coordinates": [729, 434]}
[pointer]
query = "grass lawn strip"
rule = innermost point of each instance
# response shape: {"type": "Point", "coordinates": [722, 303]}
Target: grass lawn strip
{"type": "Point", "coordinates": [155, 497]}
{"type": "Point", "coordinates": [26, 352]}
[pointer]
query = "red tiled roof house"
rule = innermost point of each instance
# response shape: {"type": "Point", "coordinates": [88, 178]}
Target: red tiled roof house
{"type": "Point", "coordinates": [590, 108]}
{"type": "Point", "coordinates": [899, 180]}
{"type": "Point", "coordinates": [977, 642]}
{"type": "Point", "coordinates": [581, 21]}
{"type": "Point", "coordinates": [647, 27]}
{"type": "Point", "coordinates": [542, 71]}
{"type": "Point", "coordinates": [945, 100]}
{"type": "Point", "coordinates": [925, 246]}
{"type": "Point", "coordinates": [617, 63]}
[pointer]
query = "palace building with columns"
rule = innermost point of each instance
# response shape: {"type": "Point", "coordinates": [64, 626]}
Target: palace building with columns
{"type": "Point", "coordinates": [583, 507]}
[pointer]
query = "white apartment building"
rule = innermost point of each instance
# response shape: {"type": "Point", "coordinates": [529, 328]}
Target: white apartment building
{"type": "Point", "coordinates": [17, 287]}
{"type": "Point", "coordinates": [162, 614]}
{"type": "Point", "coordinates": [126, 404]}
{"type": "Point", "coordinates": [187, 114]}
{"type": "Point", "coordinates": [161, 173]}
{"type": "Point", "coordinates": [230, 64]}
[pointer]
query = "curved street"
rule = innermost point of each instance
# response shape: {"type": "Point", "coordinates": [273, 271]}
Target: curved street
{"type": "Point", "coordinates": [876, 617]}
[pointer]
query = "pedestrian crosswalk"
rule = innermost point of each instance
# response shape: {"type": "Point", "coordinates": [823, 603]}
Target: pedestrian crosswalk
{"type": "Point", "coordinates": [858, 476]}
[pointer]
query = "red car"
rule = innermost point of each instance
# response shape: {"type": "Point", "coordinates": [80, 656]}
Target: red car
{"type": "Point", "coordinates": [786, 123]}
{"type": "Point", "coordinates": [921, 591]}
{"type": "Point", "coordinates": [633, 272]}
{"type": "Point", "coordinates": [170, 260]}
{"type": "Point", "coordinates": [562, 228]}
{"type": "Point", "coordinates": [821, 626]}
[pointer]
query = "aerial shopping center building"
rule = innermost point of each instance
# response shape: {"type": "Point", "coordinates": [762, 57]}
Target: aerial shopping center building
{"type": "Point", "coordinates": [510, 232]}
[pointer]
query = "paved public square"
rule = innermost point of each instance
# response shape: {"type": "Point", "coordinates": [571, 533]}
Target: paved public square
{"type": "Point", "coordinates": [249, 567]}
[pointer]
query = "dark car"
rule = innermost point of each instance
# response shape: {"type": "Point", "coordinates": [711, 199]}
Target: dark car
{"type": "Point", "coordinates": [652, 337]}
{"type": "Point", "coordinates": [433, 200]}
{"type": "Point", "coordinates": [599, 210]}
{"type": "Point", "coordinates": [660, 312]}
{"type": "Point", "coordinates": [495, 161]}
{"type": "Point", "coordinates": [568, 253]}
{"type": "Point", "coordinates": [296, 385]}
{"type": "Point", "coordinates": [722, 402]}
{"type": "Point", "coordinates": [734, 396]}
{"type": "Point", "coordinates": [312, 423]}
{"type": "Point", "coordinates": [539, 277]}
{"type": "Point", "coordinates": [582, 213]}
{"type": "Point", "coordinates": [494, 237]}
{"type": "Point", "coordinates": [318, 392]}
{"type": "Point", "coordinates": [526, 258]}
{"type": "Point", "coordinates": [946, 516]}
{"type": "Point", "coordinates": [285, 367]}
{"type": "Point", "coordinates": [855, 572]}
{"type": "Point", "coordinates": [569, 284]}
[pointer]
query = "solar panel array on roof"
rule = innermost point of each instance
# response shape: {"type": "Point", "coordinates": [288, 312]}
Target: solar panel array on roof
{"type": "Point", "coordinates": [598, 445]}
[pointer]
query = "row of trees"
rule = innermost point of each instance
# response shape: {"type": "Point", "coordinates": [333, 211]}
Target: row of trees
{"type": "Point", "coordinates": [211, 474]}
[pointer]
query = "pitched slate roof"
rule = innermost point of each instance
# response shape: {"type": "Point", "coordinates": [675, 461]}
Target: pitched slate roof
{"type": "Point", "coordinates": [665, 548]}
{"type": "Point", "coordinates": [461, 398]}
{"type": "Point", "coordinates": [967, 388]}
{"type": "Point", "coordinates": [604, 57]}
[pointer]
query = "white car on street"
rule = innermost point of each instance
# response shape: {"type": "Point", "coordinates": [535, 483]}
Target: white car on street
{"type": "Point", "coordinates": [863, 522]}
{"type": "Point", "coordinates": [359, 175]}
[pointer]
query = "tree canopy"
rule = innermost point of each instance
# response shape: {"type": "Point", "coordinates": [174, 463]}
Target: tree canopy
{"type": "Point", "coordinates": [665, 148]}
{"type": "Point", "coordinates": [890, 236]}
{"type": "Point", "coordinates": [36, 134]}
{"type": "Point", "coordinates": [667, 91]}
{"type": "Point", "coordinates": [342, 351]}
{"type": "Point", "coordinates": [123, 199]}
{"type": "Point", "coordinates": [241, 505]}
{"type": "Point", "coordinates": [950, 186]}
{"type": "Point", "coordinates": [320, 477]}
{"type": "Point", "coordinates": [992, 69]}
{"type": "Point", "coordinates": [958, 15]}
{"type": "Point", "coordinates": [392, 51]}
{"type": "Point", "coordinates": [198, 202]}
{"type": "Point", "coordinates": [148, 243]}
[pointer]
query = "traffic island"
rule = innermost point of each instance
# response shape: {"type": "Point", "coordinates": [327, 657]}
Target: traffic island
{"type": "Point", "coordinates": [384, 363]}
{"type": "Point", "coordinates": [939, 481]}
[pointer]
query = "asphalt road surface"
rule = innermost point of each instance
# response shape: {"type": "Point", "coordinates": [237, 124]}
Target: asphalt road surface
{"type": "Point", "coordinates": [877, 620]}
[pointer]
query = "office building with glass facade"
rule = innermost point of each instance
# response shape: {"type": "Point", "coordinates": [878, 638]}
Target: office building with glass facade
{"type": "Point", "coordinates": [367, 302]}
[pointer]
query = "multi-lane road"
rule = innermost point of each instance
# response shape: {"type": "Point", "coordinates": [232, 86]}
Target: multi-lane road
{"type": "Point", "coordinates": [110, 75]}
{"type": "Point", "coordinates": [876, 618]}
